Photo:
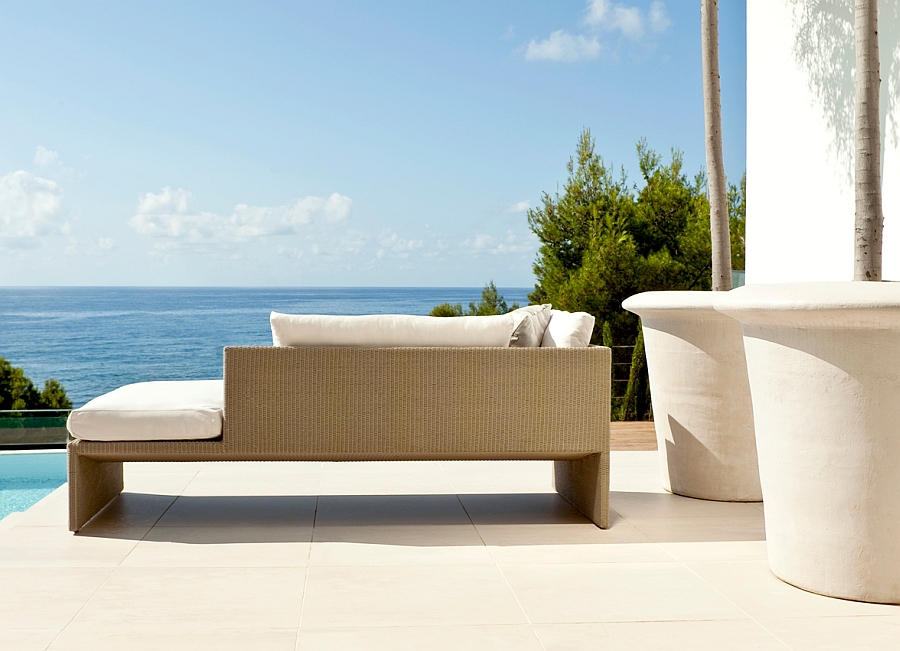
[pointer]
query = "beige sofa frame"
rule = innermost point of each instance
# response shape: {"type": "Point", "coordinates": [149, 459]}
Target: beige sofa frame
{"type": "Point", "coordinates": [386, 404]}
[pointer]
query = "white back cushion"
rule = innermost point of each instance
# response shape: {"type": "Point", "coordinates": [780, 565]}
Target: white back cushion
{"type": "Point", "coordinates": [391, 330]}
{"type": "Point", "coordinates": [152, 411]}
{"type": "Point", "coordinates": [568, 330]}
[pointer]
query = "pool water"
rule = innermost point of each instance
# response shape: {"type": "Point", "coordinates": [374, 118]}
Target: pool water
{"type": "Point", "coordinates": [26, 477]}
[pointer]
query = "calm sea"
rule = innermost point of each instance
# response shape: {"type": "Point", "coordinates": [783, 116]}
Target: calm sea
{"type": "Point", "coordinates": [94, 339]}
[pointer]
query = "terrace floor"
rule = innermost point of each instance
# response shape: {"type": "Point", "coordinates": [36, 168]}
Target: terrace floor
{"type": "Point", "coordinates": [403, 556]}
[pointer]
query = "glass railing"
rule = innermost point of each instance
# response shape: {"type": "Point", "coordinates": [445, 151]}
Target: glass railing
{"type": "Point", "coordinates": [33, 429]}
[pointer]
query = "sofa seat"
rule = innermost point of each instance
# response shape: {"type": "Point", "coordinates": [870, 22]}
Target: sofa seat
{"type": "Point", "coordinates": [186, 410]}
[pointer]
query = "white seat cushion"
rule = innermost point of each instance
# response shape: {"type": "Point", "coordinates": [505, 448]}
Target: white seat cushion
{"type": "Point", "coordinates": [391, 330]}
{"type": "Point", "coordinates": [152, 411]}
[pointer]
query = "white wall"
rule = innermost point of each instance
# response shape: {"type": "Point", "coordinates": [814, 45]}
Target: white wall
{"type": "Point", "coordinates": [799, 186]}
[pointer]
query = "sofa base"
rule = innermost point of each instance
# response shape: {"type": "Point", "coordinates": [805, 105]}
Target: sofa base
{"type": "Point", "coordinates": [93, 484]}
{"type": "Point", "coordinates": [584, 483]}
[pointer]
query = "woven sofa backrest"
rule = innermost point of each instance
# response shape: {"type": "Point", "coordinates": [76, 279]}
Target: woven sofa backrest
{"type": "Point", "coordinates": [409, 403]}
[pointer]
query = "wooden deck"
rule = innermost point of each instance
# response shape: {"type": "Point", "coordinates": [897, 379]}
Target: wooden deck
{"type": "Point", "coordinates": [632, 435]}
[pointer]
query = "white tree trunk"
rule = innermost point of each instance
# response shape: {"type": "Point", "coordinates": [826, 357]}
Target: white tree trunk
{"type": "Point", "coordinates": [715, 165]}
{"type": "Point", "coordinates": [869, 216]}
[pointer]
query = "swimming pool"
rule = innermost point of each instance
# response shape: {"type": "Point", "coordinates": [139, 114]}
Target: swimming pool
{"type": "Point", "coordinates": [26, 477]}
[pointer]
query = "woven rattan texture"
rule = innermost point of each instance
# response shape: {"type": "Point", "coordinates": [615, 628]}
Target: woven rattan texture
{"type": "Point", "coordinates": [342, 403]}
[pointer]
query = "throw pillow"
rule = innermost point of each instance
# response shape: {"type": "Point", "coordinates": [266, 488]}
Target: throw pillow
{"type": "Point", "coordinates": [568, 330]}
{"type": "Point", "coordinates": [532, 322]}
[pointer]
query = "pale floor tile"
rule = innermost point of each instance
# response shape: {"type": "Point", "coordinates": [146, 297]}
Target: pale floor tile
{"type": "Point", "coordinates": [222, 547]}
{"type": "Point", "coordinates": [200, 598]}
{"type": "Point", "coordinates": [383, 478]}
{"type": "Point", "coordinates": [210, 484]}
{"type": "Point", "coordinates": [57, 547]}
{"type": "Point", "coordinates": [240, 511]}
{"type": "Point", "coordinates": [588, 553]}
{"type": "Point", "coordinates": [9, 521]}
{"type": "Point", "coordinates": [449, 595]}
{"type": "Point", "coordinates": [398, 545]}
{"type": "Point", "coordinates": [187, 468]}
{"type": "Point", "coordinates": [419, 638]}
{"type": "Point", "coordinates": [740, 635]}
{"type": "Point", "coordinates": [45, 597]}
{"type": "Point", "coordinates": [500, 476]}
{"type": "Point", "coordinates": [610, 592]}
{"type": "Point", "coordinates": [837, 633]}
{"type": "Point", "coordinates": [79, 637]}
{"type": "Point", "coordinates": [160, 483]}
{"type": "Point", "coordinates": [129, 517]}
{"type": "Point", "coordinates": [752, 550]}
{"type": "Point", "coordinates": [257, 469]}
{"type": "Point", "coordinates": [26, 639]}
{"type": "Point", "coordinates": [52, 511]}
{"type": "Point", "coordinates": [541, 519]}
{"type": "Point", "coordinates": [752, 586]}
{"type": "Point", "coordinates": [619, 459]}
{"type": "Point", "coordinates": [521, 508]}
{"type": "Point", "coordinates": [661, 506]}
{"type": "Point", "coordinates": [390, 510]}
{"type": "Point", "coordinates": [636, 480]}
{"type": "Point", "coordinates": [671, 530]}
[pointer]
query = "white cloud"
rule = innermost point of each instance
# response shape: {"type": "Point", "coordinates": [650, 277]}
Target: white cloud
{"type": "Point", "coordinates": [44, 156]}
{"type": "Point", "coordinates": [659, 18]}
{"type": "Point", "coordinates": [562, 46]}
{"type": "Point", "coordinates": [615, 17]}
{"type": "Point", "coordinates": [483, 243]}
{"type": "Point", "coordinates": [106, 243]}
{"type": "Point", "coordinates": [521, 206]}
{"type": "Point", "coordinates": [389, 241]}
{"type": "Point", "coordinates": [168, 216]}
{"type": "Point", "coordinates": [29, 209]}
{"type": "Point", "coordinates": [599, 16]}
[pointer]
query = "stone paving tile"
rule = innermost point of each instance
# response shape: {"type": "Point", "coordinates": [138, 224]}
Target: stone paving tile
{"type": "Point", "coordinates": [410, 555]}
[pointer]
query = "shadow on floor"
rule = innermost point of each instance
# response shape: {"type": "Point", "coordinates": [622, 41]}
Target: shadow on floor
{"type": "Point", "coordinates": [437, 520]}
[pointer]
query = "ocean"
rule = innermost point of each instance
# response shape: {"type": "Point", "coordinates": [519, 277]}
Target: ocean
{"type": "Point", "coordinates": [94, 339]}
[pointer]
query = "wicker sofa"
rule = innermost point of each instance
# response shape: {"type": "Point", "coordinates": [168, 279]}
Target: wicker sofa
{"type": "Point", "coordinates": [381, 404]}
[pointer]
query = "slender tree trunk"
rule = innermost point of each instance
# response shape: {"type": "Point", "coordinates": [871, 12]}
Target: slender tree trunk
{"type": "Point", "coordinates": [869, 215]}
{"type": "Point", "coordinates": [715, 165]}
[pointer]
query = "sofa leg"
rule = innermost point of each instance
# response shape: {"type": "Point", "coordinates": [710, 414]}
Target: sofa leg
{"type": "Point", "coordinates": [584, 483]}
{"type": "Point", "coordinates": [92, 485]}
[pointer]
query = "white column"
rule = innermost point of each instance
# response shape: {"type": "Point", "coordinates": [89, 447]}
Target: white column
{"type": "Point", "coordinates": [799, 182]}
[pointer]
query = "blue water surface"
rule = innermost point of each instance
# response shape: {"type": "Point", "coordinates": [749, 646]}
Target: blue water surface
{"type": "Point", "coordinates": [26, 478]}
{"type": "Point", "coordinates": [94, 339]}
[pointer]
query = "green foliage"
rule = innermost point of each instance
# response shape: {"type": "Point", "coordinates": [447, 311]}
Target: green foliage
{"type": "Point", "coordinates": [603, 240]}
{"type": "Point", "coordinates": [18, 392]}
{"type": "Point", "coordinates": [606, 338]}
{"type": "Point", "coordinates": [447, 309]}
{"type": "Point", "coordinates": [636, 403]}
{"type": "Point", "coordinates": [737, 216]}
{"type": "Point", "coordinates": [491, 303]}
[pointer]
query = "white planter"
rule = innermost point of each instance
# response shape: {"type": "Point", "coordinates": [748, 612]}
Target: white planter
{"type": "Point", "coordinates": [824, 367]}
{"type": "Point", "coordinates": [700, 396]}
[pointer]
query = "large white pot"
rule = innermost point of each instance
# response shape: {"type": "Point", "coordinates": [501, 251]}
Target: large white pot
{"type": "Point", "coordinates": [824, 366]}
{"type": "Point", "coordinates": [700, 396]}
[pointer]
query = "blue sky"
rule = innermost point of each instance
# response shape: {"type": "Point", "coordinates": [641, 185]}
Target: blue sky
{"type": "Point", "coordinates": [328, 143]}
